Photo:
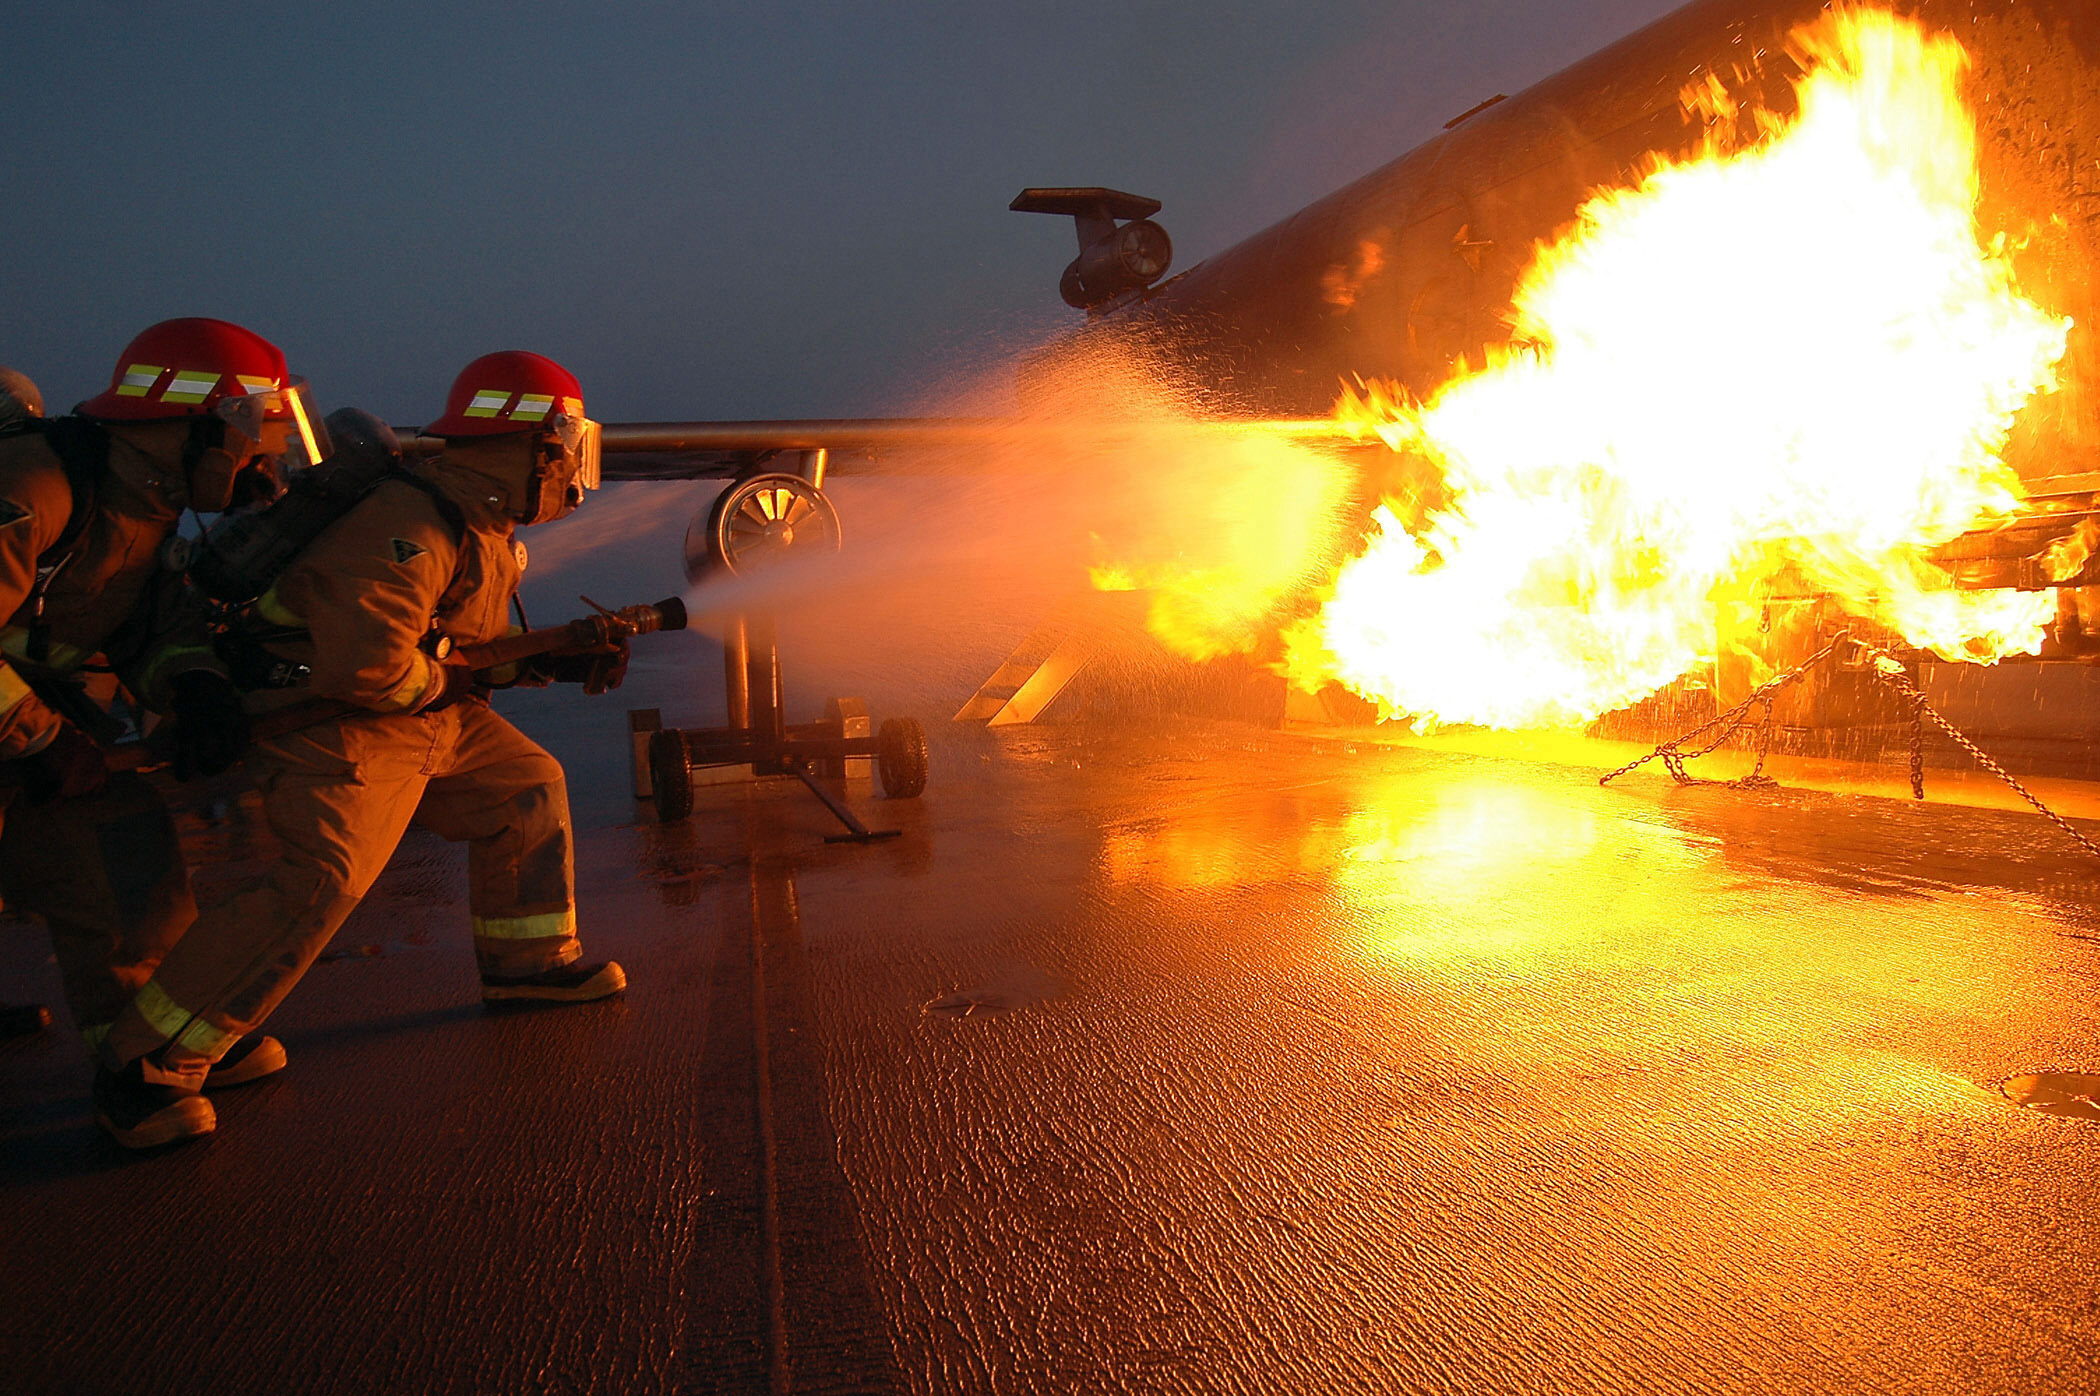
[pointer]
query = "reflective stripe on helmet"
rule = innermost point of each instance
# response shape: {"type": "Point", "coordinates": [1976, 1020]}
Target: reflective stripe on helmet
{"type": "Point", "coordinates": [532, 407]}
{"type": "Point", "coordinates": [487, 403]}
{"type": "Point", "coordinates": [138, 380]}
{"type": "Point", "coordinates": [190, 385]}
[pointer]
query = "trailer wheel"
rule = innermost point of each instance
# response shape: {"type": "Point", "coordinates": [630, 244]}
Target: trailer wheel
{"type": "Point", "coordinates": [671, 776]}
{"type": "Point", "coordinates": [900, 757]}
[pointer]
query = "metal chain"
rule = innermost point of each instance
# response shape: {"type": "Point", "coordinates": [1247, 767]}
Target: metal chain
{"type": "Point", "coordinates": [1885, 667]}
{"type": "Point", "coordinates": [1917, 738]}
{"type": "Point", "coordinates": [1674, 756]}
{"type": "Point", "coordinates": [1890, 670]}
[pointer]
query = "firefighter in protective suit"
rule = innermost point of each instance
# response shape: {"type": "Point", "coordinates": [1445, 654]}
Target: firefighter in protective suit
{"type": "Point", "coordinates": [370, 610]}
{"type": "Point", "coordinates": [88, 504]}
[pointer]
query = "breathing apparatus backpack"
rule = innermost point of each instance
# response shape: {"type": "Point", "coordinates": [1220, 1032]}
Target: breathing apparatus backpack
{"type": "Point", "coordinates": [82, 448]}
{"type": "Point", "coordinates": [238, 560]}
{"type": "Point", "coordinates": [245, 554]}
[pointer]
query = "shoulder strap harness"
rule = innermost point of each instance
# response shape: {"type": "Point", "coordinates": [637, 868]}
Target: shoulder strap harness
{"type": "Point", "coordinates": [243, 644]}
{"type": "Point", "coordinates": [82, 448]}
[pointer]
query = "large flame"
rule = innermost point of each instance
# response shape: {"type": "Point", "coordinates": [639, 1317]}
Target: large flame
{"type": "Point", "coordinates": [1792, 354]}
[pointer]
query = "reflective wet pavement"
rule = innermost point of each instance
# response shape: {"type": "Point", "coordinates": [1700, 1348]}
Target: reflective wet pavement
{"type": "Point", "coordinates": [1212, 1061]}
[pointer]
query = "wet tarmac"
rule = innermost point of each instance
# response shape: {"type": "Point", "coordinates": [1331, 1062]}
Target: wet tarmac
{"type": "Point", "coordinates": [1218, 1060]}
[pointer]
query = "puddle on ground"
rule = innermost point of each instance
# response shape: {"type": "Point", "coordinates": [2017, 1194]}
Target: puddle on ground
{"type": "Point", "coordinates": [1017, 989]}
{"type": "Point", "coordinates": [2070, 1094]}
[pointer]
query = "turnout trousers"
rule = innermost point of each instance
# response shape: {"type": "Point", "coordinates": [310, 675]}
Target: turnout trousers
{"type": "Point", "coordinates": [337, 798]}
{"type": "Point", "coordinates": [105, 873]}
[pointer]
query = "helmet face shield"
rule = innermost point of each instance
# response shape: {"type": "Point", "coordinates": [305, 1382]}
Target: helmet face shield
{"type": "Point", "coordinates": [582, 442]}
{"type": "Point", "coordinates": [281, 421]}
{"type": "Point", "coordinates": [567, 468]}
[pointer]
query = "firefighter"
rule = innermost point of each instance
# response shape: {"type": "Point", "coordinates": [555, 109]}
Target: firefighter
{"type": "Point", "coordinates": [367, 615]}
{"type": "Point", "coordinates": [88, 506]}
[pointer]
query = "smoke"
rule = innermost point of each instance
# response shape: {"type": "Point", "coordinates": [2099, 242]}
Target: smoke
{"type": "Point", "coordinates": [1103, 476]}
{"type": "Point", "coordinates": [954, 555]}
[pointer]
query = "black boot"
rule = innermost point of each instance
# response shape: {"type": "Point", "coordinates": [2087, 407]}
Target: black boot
{"type": "Point", "coordinates": [249, 1059]}
{"type": "Point", "coordinates": [565, 984]}
{"type": "Point", "coordinates": [142, 1114]}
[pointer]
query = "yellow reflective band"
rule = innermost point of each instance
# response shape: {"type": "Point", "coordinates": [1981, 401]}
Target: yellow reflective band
{"type": "Point", "coordinates": [176, 1023]}
{"type": "Point", "coordinates": [189, 385]}
{"type": "Point", "coordinates": [162, 1014]}
{"type": "Point", "coordinates": [93, 1036]}
{"type": "Point", "coordinates": [543, 927]}
{"type": "Point", "coordinates": [63, 658]}
{"type": "Point", "coordinates": [572, 406]}
{"type": "Point", "coordinates": [410, 695]}
{"type": "Point", "coordinates": [198, 657]}
{"type": "Point", "coordinates": [57, 658]}
{"type": "Point", "coordinates": [273, 610]}
{"type": "Point", "coordinates": [532, 407]}
{"type": "Point", "coordinates": [204, 1039]}
{"type": "Point", "coordinates": [12, 690]}
{"type": "Point", "coordinates": [486, 403]}
{"type": "Point", "coordinates": [138, 380]}
{"type": "Point", "coordinates": [255, 385]}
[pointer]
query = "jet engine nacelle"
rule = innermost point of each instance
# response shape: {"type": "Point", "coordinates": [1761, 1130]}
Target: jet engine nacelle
{"type": "Point", "coordinates": [1115, 263]}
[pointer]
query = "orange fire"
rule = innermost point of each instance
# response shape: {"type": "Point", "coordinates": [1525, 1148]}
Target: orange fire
{"type": "Point", "coordinates": [1793, 354]}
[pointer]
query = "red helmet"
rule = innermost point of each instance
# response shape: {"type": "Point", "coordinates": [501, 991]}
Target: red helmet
{"type": "Point", "coordinates": [184, 368]}
{"type": "Point", "coordinates": [508, 391]}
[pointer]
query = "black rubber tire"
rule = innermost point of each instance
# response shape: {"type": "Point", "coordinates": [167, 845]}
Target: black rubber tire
{"type": "Point", "coordinates": [900, 757]}
{"type": "Point", "coordinates": [670, 776]}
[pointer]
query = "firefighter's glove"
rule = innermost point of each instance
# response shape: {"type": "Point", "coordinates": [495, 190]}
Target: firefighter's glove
{"type": "Point", "coordinates": [457, 680]}
{"type": "Point", "coordinates": [210, 730]}
{"type": "Point", "coordinates": [69, 766]}
{"type": "Point", "coordinates": [600, 669]}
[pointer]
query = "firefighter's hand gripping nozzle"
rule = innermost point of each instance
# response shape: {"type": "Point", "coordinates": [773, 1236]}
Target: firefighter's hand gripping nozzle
{"type": "Point", "coordinates": [589, 637]}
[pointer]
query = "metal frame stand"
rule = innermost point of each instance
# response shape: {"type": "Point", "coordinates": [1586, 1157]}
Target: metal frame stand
{"type": "Point", "coordinates": [760, 736]}
{"type": "Point", "coordinates": [759, 521]}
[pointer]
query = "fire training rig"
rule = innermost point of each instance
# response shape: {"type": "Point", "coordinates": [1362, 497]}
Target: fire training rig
{"type": "Point", "coordinates": [762, 521]}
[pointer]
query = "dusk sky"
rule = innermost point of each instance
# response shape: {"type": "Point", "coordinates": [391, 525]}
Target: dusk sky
{"type": "Point", "coordinates": [787, 209]}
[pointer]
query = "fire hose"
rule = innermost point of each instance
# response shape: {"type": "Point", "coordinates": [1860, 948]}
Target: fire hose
{"type": "Point", "coordinates": [1883, 666]}
{"type": "Point", "coordinates": [592, 632]}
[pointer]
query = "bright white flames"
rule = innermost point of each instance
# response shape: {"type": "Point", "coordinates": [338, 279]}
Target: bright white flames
{"type": "Point", "coordinates": [1799, 354]}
